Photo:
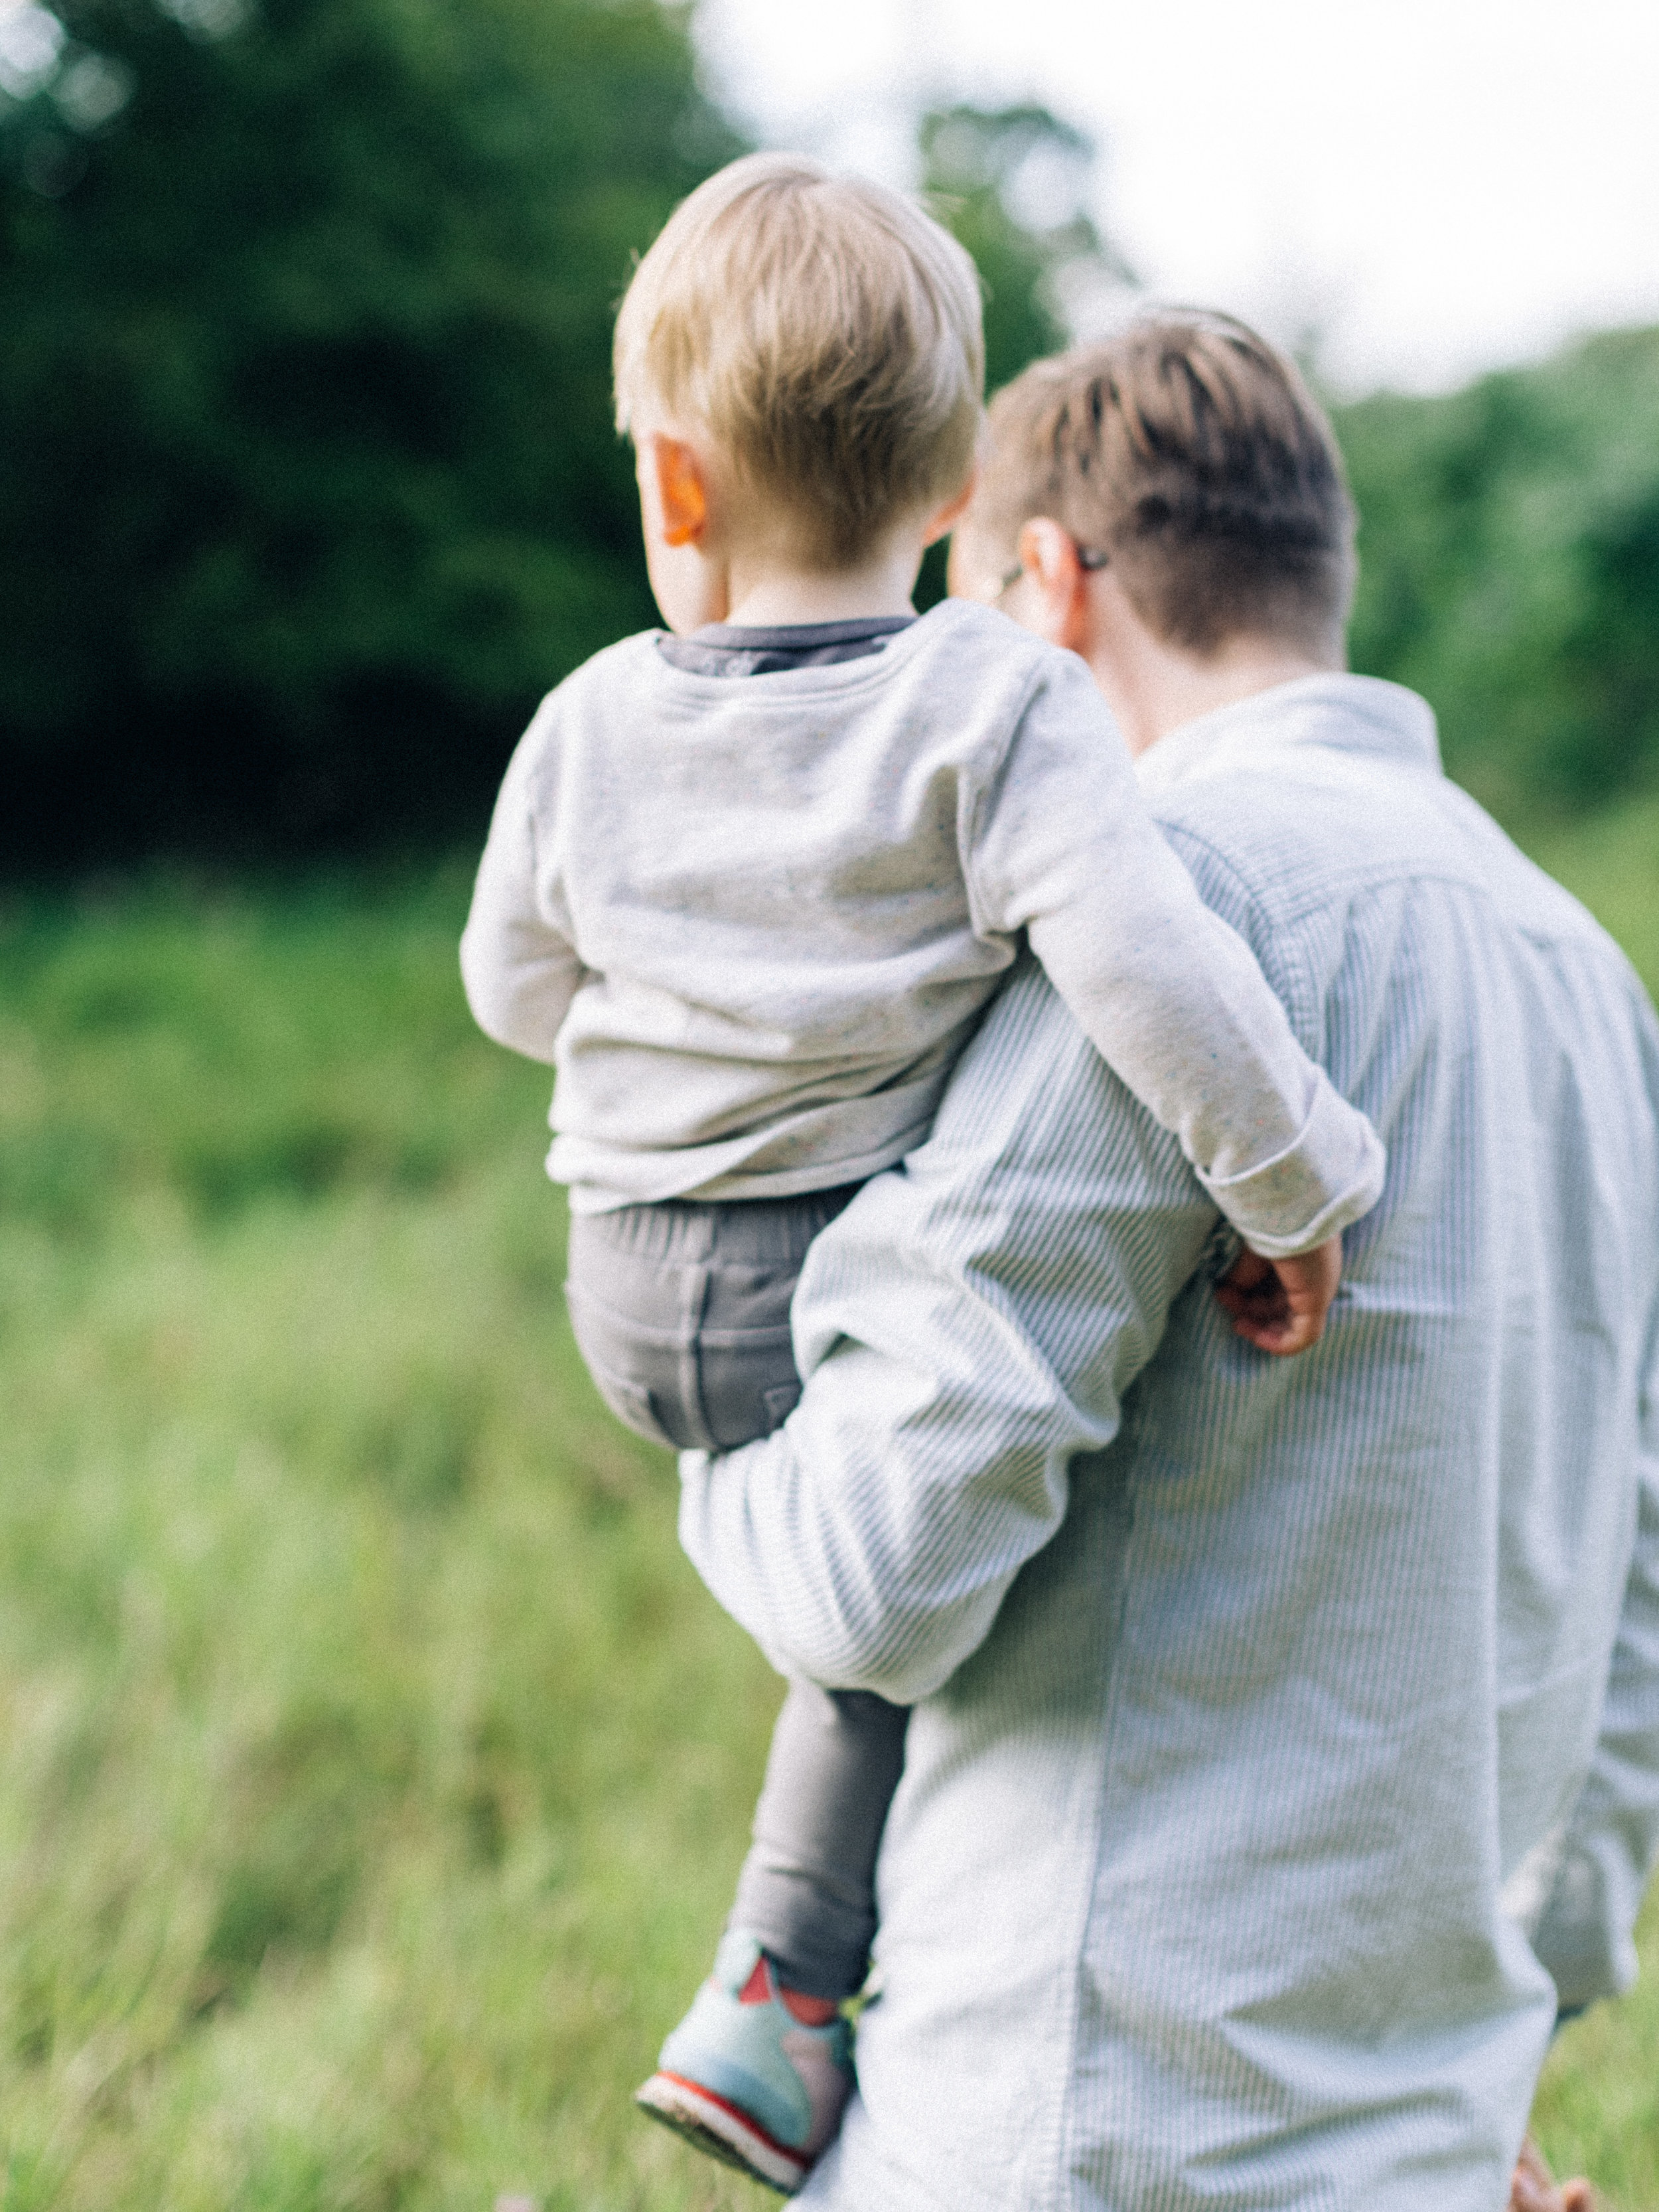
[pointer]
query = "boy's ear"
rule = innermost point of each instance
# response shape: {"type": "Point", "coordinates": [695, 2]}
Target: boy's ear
{"type": "Point", "coordinates": [682, 489]}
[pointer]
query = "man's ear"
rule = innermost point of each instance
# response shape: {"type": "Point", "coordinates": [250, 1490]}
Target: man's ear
{"type": "Point", "coordinates": [682, 488]}
{"type": "Point", "coordinates": [1054, 581]}
{"type": "Point", "coordinates": [951, 512]}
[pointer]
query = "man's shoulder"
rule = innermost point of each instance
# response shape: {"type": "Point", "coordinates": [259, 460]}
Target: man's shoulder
{"type": "Point", "coordinates": [1324, 846]}
{"type": "Point", "coordinates": [1276, 785]}
{"type": "Point", "coordinates": [1301, 837]}
{"type": "Point", "coordinates": [1328, 790]}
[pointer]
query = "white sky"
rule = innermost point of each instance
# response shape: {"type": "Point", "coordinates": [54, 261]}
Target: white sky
{"type": "Point", "coordinates": [1441, 188]}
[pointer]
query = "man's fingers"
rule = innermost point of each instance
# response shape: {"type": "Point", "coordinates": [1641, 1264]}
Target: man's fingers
{"type": "Point", "coordinates": [1534, 2187]}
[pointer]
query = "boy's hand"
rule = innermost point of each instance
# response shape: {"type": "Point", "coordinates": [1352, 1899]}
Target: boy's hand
{"type": "Point", "coordinates": [1280, 1305]}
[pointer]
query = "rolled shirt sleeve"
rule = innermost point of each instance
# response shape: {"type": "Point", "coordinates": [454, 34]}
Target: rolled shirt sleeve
{"type": "Point", "coordinates": [968, 1326]}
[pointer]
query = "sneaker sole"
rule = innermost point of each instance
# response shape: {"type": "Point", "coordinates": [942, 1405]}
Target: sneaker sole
{"type": "Point", "coordinates": [722, 2130]}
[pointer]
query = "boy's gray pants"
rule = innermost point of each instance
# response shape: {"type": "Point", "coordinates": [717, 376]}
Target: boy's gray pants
{"type": "Point", "coordinates": [682, 1312]}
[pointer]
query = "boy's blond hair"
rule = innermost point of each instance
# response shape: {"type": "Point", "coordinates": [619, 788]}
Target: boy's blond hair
{"type": "Point", "coordinates": [1190, 453]}
{"type": "Point", "coordinates": [825, 333]}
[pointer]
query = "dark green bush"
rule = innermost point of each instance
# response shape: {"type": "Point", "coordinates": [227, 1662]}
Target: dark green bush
{"type": "Point", "coordinates": [1509, 570]}
{"type": "Point", "coordinates": [309, 487]}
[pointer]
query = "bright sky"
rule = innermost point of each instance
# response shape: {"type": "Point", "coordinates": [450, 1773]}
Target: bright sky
{"type": "Point", "coordinates": [1441, 185]}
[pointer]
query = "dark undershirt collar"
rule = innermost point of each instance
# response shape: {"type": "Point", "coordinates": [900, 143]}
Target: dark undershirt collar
{"type": "Point", "coordinates": [768, 649]}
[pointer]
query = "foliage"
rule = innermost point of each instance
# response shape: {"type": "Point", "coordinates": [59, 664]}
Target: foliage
{"type": "Point", "coordinates": [310, 486]}
{"type": "Point", "coordinates": [374, 1771]}
{"type": "Point", "coordinates": [1509, 568]}
{"type": "Point", "coordinates": [1014, 186]}
{"type": "Point", "coordinates": [1610, 859]}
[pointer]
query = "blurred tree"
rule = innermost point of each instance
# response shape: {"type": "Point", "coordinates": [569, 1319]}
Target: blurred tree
{"type": "Point", "coordinates": [1014, 183]}
{"type": "Point", "coordinates": [309, 485]}
{"type": "Point", "coordinates": [309, 488]}
{"type": "Point", "coordinates": [1510, 533]}
{"type": "Point", "coordinates": [1509, 570]}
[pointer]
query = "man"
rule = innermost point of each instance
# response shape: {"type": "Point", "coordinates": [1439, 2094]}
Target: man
{"type": "Point", "coordinates": [1287, 1748]}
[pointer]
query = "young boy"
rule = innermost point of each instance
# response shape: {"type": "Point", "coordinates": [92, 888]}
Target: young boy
{"type": "Point", "coordinates": [749, 887]}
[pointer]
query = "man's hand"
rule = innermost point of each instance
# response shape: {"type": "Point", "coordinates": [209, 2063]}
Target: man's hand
{"type": "Point", "coordinates": [1280, 1305]}
{"type": "Point", "coordinates": [1534, 2188]}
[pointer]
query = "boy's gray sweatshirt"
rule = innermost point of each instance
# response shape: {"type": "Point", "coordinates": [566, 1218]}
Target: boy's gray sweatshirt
{"type": "Point", "coordinates": [752, 921]}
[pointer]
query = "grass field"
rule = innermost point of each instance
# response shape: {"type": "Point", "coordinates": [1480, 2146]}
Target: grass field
{"type": "Point", "coordinates": [376, 1771]}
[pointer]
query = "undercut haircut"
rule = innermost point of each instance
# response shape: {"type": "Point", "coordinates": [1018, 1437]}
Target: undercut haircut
{"type": "Point", "coordinates": [826, 335]}
{"type": "Point", "coordinates": [1190, 453]}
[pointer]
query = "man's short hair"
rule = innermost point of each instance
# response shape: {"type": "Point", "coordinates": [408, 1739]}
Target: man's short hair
{"type": "Point", "coordinates": [827, 336]}
{"type": "Point", "coordinates": [1190, 453]}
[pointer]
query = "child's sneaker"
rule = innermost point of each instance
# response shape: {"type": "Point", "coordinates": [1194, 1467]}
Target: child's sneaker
{"type": "Point", "coordinates": [745, 2080]}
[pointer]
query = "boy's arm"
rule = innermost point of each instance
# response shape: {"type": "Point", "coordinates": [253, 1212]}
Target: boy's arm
{"type": "Point", "coordinates": [1061, 846]}
{"type": "Point", "coordinates": [519, 969]}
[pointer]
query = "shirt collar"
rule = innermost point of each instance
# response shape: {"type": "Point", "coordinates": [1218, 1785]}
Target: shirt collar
{"type": "Point", "coordinates": [1346, 714]}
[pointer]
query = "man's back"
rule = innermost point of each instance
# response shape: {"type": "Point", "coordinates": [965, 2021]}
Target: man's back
{"type": "Point", "coordinates": [1385, 1595]}
{"type": "Point", "coordinates": [1213, 1870]}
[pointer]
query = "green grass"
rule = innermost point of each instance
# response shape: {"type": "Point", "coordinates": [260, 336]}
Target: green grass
{"type": "Point", "coordinates": [374, 1770]}
{"type": "Point", "coordinates": [1597, 2110]}
{"type": "Point", "coordinates": [1611, 861]}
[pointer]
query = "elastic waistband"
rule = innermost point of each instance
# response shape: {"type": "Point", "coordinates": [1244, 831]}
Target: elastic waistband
{"type": "Point", "coordinates": [754, 1232]}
